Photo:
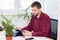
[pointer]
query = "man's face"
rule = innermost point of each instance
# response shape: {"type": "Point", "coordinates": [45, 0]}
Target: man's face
{"type": "Point", "coordinates": [35, 11]}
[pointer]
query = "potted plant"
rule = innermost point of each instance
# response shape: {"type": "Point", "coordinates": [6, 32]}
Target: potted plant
{"type": "Point", "coordinates": [8, 26]}
{"type": "Point", "coordinates": [26, 15]}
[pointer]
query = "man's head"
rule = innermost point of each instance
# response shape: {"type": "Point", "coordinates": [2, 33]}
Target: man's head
{"type": "Point", "coordinates": [36, 8]}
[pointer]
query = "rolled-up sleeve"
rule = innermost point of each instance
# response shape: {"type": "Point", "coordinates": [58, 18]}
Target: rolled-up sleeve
{"type": "Point", "coordinates": [29, 25]}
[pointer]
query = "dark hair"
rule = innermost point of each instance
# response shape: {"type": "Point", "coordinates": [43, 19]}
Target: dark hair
{"type": "Point", "coordinates": [37, 4]}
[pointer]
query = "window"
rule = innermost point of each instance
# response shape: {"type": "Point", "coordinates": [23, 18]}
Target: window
{"type": "Point", "coordinates": [6, 4]}
{"type": "Point", "coordinates": [7, 7]}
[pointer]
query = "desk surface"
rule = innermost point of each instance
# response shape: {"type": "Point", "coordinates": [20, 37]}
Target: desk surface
{"type": "Point", "coordinates": [35, 38]}
{"type": "Point", "coordinates": [3, 37]}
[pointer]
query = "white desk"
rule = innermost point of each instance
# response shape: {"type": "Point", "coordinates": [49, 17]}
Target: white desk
{"type": "Point", "coordinates": [3, 37]}
{"type": "Point", "coordinates": [35, 38]}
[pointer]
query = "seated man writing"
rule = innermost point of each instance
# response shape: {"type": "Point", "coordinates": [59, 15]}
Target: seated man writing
{"type": "Point", "coordinates": [39, 23]}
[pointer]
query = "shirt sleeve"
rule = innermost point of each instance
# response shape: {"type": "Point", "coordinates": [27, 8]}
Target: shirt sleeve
{"type": "Point", "coordinates": [46, 27]}
{"type": "Point", "coordinates": [29, 25]}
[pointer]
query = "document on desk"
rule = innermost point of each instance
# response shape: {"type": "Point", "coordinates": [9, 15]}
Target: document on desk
{"type": "Point", "coordinates": [18, 38]}
{"type": "Point", "coordinates": [40, 38]}
{"type": "Point", "coordinates": [35, 38]}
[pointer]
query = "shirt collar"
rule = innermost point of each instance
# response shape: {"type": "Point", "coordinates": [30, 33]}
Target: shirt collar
{"type": "Point", "coordinates": [41, 16]}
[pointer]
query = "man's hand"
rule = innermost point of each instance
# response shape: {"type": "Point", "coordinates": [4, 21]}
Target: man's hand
{"type": "Point", "coordinates": [26, 33]}
{"type": "Point", "coordinates": [17, 28]}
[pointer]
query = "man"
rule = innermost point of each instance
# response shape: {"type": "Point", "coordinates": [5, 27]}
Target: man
{"type": "Point", "coordinates": [39, 24]}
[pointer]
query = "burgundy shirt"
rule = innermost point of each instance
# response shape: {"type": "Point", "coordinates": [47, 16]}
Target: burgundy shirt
{"type": "Point", "coordinates": [41, 26]}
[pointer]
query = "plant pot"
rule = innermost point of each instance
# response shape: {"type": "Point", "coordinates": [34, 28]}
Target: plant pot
{"type": "Point", "coordinates": [8, 37]}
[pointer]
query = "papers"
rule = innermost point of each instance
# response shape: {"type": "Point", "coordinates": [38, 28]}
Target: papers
{"type": "Point", "coordinates": [35, 38]}
{"type": "Point", "coordinates": [18, 38]}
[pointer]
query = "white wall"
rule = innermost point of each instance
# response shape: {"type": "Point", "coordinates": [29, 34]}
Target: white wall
{"type": "Point", "coordinates": [48, 6]}
{"type": "Point", "coordinates": [58, 36]}
{"type": "Point", "coordinates": [51, 8]}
